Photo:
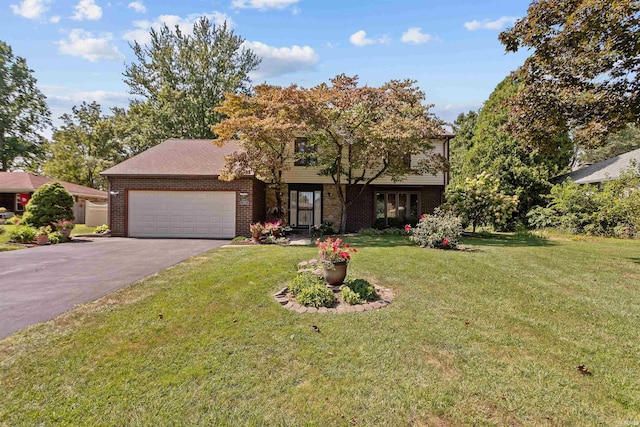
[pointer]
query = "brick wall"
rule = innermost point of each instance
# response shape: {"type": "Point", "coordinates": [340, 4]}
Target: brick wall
{"type": "Point", "coordinates": [245, 213]}
{"type": "Point", "coordinates": [361, 213]}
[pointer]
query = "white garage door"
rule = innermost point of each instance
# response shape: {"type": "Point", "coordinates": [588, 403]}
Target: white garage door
{"type": "Point", "coordinates": [203, 214]}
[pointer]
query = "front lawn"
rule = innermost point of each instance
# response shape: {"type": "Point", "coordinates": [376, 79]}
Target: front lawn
{"type": "Point", "coordinates": [490, 337]}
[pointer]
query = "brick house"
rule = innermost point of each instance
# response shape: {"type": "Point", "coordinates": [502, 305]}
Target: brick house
{"type": "Point", "coordinates": [13, 185]}
{"type": "Point", "coordinates": [173, 190]}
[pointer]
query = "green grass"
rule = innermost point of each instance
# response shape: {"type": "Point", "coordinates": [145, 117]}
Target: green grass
{"type": "Point", "coordinates": [490, 336]}
{"type": "Point", "coordinates": [82, 229]}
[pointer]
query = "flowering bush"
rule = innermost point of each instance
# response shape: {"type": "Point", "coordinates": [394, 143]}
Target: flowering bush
{"type": "Point", "coordinates": [101, 229]}
{"type": "Point", "coordinates": [440, 230]}
{"type": "Point", "coordinates": [65, 224]}
{"type": "Point", "coordinates": [334, 251]}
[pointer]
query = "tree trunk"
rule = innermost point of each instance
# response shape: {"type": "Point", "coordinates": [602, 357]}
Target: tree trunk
{"type": "Point", "coordinates": [343, 218]}
{"type": "Point", "coordinates": [279, 209]}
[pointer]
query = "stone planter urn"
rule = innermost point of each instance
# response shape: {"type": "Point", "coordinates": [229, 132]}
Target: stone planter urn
{"type": "Point", "coordinates": [335, 276]}
{"type": "Point", "coordinates": [41, 239]}
{"type": "Point", "coordinates": [66, 232]}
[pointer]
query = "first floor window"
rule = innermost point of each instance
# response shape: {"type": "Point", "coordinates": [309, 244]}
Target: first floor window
{"type": "Point", "coordinates": [19, 206]}
{"type": "Point", "coordinates": [396, 204]}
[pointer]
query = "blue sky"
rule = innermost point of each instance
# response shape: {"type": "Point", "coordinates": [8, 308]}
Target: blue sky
{"type": "Point", "coordinates": [78, 48]}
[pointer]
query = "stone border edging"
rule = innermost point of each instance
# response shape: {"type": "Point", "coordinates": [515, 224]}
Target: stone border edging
{"type": "Point", "coordinates": [385, 297]}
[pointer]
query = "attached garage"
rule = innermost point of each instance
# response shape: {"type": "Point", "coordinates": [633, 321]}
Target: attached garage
{"type": "Point", "coordinates": [173, 190]}
{"type": "Point", "coordinates": [182, 214]}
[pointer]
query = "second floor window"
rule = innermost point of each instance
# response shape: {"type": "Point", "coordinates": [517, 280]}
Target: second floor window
{"type": "Point", "coordinates": [304, 152]}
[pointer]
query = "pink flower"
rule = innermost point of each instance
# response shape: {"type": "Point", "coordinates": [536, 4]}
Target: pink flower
{"type": "Point", "coordinates": [445, 242]}
{"type": "Point", "coordinates": [423, 216]}
{"type": "Point", "coordinates": [407, 228]}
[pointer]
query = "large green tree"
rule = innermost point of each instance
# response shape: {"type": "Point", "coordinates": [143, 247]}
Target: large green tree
{"type": "Point", "coordinates": [464, 127]}
{"type": "Point", "coordinates": [83, 147]}
{"type": "Point", "coordinates": [583, 75]}
{"type": "Point", "coordinates": [23, 113]}
{"type": "Point", "coordinates": [181, 78]}
{"type": "Point", "coordinates": [522, 172]}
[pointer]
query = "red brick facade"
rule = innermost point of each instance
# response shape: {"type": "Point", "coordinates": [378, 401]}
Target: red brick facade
{"type": "Point", "coordinates": [249, 208]}
{"type": "Point", "coordinates": [361, 213]}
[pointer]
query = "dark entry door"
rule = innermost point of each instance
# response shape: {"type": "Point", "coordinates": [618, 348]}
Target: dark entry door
{"type": "Point", "coordinates": [305, 207]}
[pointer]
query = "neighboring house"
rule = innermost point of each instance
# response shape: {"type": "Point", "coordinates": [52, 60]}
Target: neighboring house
{"type": "Point", "coordinates": [173, 190]}
{"type": "Point", "coordinates": [606, 170]}
{"type": "Point", "coordinates": [16, 189]}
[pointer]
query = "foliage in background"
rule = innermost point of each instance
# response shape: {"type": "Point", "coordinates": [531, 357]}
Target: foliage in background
{"type": "Point", "coordinates": [582, 75]}
{"type": "Point", "coordinates": [181, 78]}
{"type": "Point", "coordinates": [612, 211]}
{"type": "Point", "coordinates": [479, 201]}
{"type": "Point", "coordinates": [83, 147]}
{"type": "Point", "coordinates": [524, 172]}
{"type": "Point", "coordinates": [49, 204]}
{"type": "Point", "coordinates": [23, 113]}
{"type": "Point", "coordinates": [441, 230]}
{"type": "Point", "coordinates": [628, 139]}
{"type": "Point", "coordinates": [464, 127]}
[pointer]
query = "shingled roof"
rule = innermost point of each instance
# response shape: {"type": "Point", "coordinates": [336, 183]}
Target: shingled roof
{"type": "Point", "coordinates": [606, 170]}
{"type": "Point", "coordinates": [175, 157]}
{"type": "Point", "coordinates": [24, 182]}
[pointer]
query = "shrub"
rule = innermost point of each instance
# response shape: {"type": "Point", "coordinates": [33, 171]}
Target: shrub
{"type": "Point", "coordinates": [612, 211]}
{"type": "Point", "coordinates": [479, 201]}
{"type": "Point", "coordinates": [316, 295]}
{"type": "Point", "coordinates": [303, 280]}
{"type": "Point", "coordinates": [2, 231]}
{"type": "Point", "coordinates": [318, 231]}
{"type": "Point", "coordinates": [14, 220]}
{"type": "Point", "coordinates": [22, 234]}
{"type": "Point", "coordinates": [3, 209]}
{"type": "Point", "coordinates": [349, 296]}
{"type": "Point", "coordinates": [55, 238]}
{"type": "Point", "coordinates": [441, 230]}
{"type": "Point", "coordinates": [363, 288]}
{"type": "Point", "coordinates": [50, 204]}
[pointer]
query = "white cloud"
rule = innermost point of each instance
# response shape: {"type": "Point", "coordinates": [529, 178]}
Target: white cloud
{"type": "Point", "coordinates": [140, 32]}
{"type": "Point", "coordinates": [360, 39]}
{"type": "Point", "coordinates": [138, 6]}
{"type": "Point", "coordinates": [54, 19]}
{"type": "Point", "coordinates": [31, 9]}
{"type": "Point", "coordinates": [87, 9]}
{"type": "Point", "coordinates": [83, 44]}
{"type": "Point", "coordinates": [487, 24]}
{"type": "Point", "coordinates": [277, 61]}
{"type": "Point", "coordinates": [66, 95]}
{"type": "Point", "coordinates": [415, 35]}
{"type": "Point", "coordinates": [262, 4]}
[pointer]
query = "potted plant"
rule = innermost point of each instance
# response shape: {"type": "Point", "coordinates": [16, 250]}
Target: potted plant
{"type": "Point", "coordinates": [335, 256]}
{"type": "Point", "coordinates": [256, 230]}
{"type": "Point", "coordinates": [65, 226]}
{"type": "Point", "coordinates": [42, 235]}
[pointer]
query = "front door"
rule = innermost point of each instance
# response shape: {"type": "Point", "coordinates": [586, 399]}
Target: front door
{"type": "Point", "coordinates": [305, 205]}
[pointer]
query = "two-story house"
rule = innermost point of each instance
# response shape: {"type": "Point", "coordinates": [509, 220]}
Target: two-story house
{"type": "Point", "coordinates": [173, 190]}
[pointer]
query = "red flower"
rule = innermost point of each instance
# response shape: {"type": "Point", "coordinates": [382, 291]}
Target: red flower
{"type": "Point", "coordinates": [407, 228]}
{"type": "Point", "coordinates": [422, 216]}
{"type": "Point", "coordinates": [445, 242]}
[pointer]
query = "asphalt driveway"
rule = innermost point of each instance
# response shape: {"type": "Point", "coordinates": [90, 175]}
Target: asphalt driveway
{"type": "Point", "coordinates": [41, 283]}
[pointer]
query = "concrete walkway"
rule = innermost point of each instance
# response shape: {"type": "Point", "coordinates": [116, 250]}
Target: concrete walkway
{"type": "Point", "coordinates": [41, 283]}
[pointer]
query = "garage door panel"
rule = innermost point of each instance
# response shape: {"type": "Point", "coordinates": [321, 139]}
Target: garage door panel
{"type": "Point", "coordinates": [203, 214]}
